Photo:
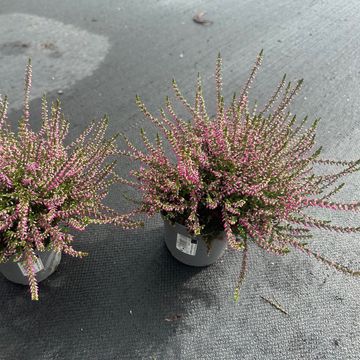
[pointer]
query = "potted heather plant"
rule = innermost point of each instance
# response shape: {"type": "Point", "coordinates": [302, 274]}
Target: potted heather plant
{"type": "Point", "coordinates": [236, 177]}
{"type": "Point", "coordinates": [48, 188]}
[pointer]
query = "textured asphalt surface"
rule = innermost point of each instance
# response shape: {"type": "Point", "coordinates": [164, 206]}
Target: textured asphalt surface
{"type": "Point", "coordinates": [130, 299]}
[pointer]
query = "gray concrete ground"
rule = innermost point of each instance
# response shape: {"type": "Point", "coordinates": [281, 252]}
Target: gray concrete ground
{"type": "Point", "coordinates": [117, 303]}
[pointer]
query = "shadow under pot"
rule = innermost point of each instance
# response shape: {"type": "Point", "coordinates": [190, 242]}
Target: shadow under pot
{"type": "Point", "coordinates": [192, 250]}
{"type": "Point", "coordinates": [45, 265]}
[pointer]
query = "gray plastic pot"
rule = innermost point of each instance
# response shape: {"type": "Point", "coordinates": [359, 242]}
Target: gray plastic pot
{"type": "Point", "coordinates": [190, 250]}
{"type": "Point", "coordinates": [47, 264]}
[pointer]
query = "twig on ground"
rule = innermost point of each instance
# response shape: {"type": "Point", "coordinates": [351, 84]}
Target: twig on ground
{"type": "Point", "coordinates": [275, 304]}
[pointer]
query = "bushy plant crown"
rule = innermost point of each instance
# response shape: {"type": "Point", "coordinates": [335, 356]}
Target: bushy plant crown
{"type": "Point", "coordinates": [249, 173]}
{"type": "Point", "coordinates": [47, 187]}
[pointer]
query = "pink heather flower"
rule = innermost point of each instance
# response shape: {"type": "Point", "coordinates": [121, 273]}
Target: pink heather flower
{"type": "Point", "coordinates": [187, 172]}
{"type": "Point", "coordinates": [32, 167]}
{"type": "Point", "coordinates": [26, 181]}
{"type": "Point", "coordinates": [4, 179]}
{"type": "Point", "coordinates": [246, 172]}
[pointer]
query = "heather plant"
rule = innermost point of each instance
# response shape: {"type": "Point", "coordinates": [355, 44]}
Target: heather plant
{"type": "Point", "coordinates": [48, 188]}
{"type": "Point", "coordinates": [248, 173]}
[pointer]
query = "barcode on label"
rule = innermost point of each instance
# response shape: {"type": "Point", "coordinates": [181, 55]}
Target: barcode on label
{"type": "Point", "coordinates": [186, 245]}
{"type": "Point", "coordinates": [38, 266]}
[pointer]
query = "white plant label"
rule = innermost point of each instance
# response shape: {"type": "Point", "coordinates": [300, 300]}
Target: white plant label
{"type": "Point", "coordinates": [186, 245]}
{"type": "Point", "coordinates": [38, 266]}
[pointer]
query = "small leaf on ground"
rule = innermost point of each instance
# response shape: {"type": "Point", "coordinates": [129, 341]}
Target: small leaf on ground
{"type": "Point", "coordinates": [173, 317]}
{"type": "Point", "coordinates": [199, 19]}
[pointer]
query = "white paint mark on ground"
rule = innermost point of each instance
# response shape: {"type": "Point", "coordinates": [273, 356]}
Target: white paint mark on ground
{"type": "Point", "coordinates": [61, 55]}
